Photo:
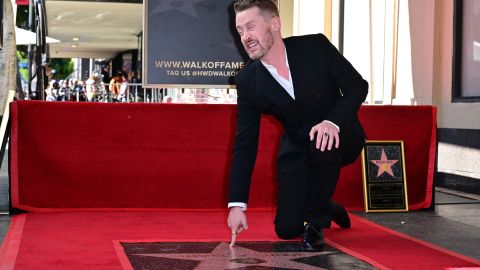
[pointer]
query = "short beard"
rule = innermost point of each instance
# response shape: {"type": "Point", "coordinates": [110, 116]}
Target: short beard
{"type": "Point", "coordinates": [268, 41]}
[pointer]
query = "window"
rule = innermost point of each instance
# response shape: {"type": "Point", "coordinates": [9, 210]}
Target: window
{"type": "Point", "coordinates": [466, 51]}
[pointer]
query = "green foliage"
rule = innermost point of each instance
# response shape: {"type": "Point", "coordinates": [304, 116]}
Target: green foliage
{"type": "Point", "coordinates": [22, 58]}
{"type": "Point", "coordinates": [22, 50]}
{"type": "Point", "coordinates": [63, 67]}
{"type": "Point", "coordinates": [22, 53]}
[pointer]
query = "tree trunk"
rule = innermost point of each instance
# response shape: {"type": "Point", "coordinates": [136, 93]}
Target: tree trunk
{"type": "Point", "coordinates": [8, 56]}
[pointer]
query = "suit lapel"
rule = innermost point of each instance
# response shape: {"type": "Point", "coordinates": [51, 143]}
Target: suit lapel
{"type": "Point", "coordinates": [269, 87]}
{"type": "Point", "coordinates": [295, 69]}
{"type": "Point", "coordinates": [272, 89]}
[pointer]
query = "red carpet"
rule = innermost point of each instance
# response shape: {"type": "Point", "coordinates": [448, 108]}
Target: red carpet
{"type": "Point", "coordinates": [87, 240]}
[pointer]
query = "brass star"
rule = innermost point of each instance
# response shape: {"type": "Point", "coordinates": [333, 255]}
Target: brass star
{"type": "Point", "coordinates": [227, 257]}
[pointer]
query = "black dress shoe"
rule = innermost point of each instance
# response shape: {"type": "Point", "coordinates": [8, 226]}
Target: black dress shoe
{"type": "Point", "coordinates": [313, 239]}
{"type": "Point", "coordinates": [340, 216]}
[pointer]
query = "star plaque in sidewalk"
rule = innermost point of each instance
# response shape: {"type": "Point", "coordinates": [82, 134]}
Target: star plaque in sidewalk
{"type": "Point", "coordinates": [385, 185]}
{"type": "Point", "coordinates": [245, 255]}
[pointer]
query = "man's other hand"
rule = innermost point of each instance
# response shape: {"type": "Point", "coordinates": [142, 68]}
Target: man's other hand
{"type": "Point", "coordinates": [327, 134]}
{"type": "Point", "coordinates": [237, 222]}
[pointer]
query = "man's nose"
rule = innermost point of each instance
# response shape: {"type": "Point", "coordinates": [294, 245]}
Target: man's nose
{"type": "Point", "coordinates": [245, 37]}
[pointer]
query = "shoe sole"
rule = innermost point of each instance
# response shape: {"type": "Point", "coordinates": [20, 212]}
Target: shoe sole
{"type": "Point", "coordinates": [312, 249]}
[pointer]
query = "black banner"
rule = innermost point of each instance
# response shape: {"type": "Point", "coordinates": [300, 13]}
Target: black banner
{"type": "Point", "coordinates": [190, 43]}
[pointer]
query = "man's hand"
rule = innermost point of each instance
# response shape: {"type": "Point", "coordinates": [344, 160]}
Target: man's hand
{"type": "Point", "coordinates": [327, 133]}
{"type": "Point", "coordinates": [237, 221]}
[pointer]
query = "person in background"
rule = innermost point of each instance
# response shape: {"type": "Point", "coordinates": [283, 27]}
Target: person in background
{"type": "Point", "coordinates": [118, 86]}
{"type": "Point", "coordinates": [106, 74]}
{"type": "Point", "coordinates": [106, 78]}
{"type": "Point", "coordinates": [62, 91]}
{"type": "Point", "coordinates": [137, 90]}
{"type": "Point", "coordinates": [79, 90]}
{"type": "Point", "coordinates": [50, 92]}
{"type": "Point", "coordinates": [90, 87]}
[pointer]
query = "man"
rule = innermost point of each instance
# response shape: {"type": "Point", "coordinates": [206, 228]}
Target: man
{"type": "Point", "coordinates": [306, 84]}
{"type": "Point", "coordinates": [106, 80]}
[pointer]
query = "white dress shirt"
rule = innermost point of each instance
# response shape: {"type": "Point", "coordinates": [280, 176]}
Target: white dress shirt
{"type": "Point", "coordinates": [286, 84]}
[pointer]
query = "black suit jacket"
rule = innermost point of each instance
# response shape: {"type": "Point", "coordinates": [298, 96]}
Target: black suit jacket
{"type": "Point", "coordinates": [326, 87]}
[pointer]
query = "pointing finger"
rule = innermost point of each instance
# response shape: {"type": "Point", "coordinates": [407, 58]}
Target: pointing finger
{"type": "Point", "coordinates": [234, 238]}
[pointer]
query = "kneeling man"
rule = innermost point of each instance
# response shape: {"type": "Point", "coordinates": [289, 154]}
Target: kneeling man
{"type": "Point", "coordinates": [308, 86]}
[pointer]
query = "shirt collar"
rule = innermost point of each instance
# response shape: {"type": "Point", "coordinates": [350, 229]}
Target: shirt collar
{"type": "Point", "coordinates": [272, 67]}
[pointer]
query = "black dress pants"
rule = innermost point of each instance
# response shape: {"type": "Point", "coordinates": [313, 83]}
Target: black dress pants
{"type": "Point", "coordinates": [306, 196]}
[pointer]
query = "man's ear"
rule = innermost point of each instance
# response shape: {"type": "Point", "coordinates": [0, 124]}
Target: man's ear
{"type": "Point", "coordinates": [276, 24]}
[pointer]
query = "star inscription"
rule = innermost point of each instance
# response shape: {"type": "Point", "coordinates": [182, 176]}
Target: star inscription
{"type": "Point", "coordinates": [225, 257]}
{"type": "Point", "coordinates": [183, 6]}
{"type": "Point", "coordinates": [384, 164]}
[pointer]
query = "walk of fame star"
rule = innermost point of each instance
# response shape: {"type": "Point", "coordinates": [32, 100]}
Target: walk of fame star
{"type": "Point", "coordinates": [186, 7]}
{"type": "Point", "coordinates": [237, 257]}
{"type": "Point", "coordinates": [245, 255]}
{"type": "Point", "coordinates": [384, 164]}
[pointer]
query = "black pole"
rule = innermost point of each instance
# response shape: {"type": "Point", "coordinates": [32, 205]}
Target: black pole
{"type": "Point", "coordinates": [341, 27]}
{"type": "Point", "coordinates": [30, 53]}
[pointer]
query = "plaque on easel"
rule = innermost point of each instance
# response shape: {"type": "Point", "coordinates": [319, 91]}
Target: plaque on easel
{"type": "Point", "coordinates": [384, 178]}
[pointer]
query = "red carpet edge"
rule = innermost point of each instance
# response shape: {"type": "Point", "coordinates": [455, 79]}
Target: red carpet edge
{"type": "Point", "coordinates": [340, 239]}
{"type": "Point", "coordinates": [11, 243]}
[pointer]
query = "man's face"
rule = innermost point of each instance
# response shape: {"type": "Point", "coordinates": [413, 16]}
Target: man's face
{"type": "Point", "coordinates": [255, 32]}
